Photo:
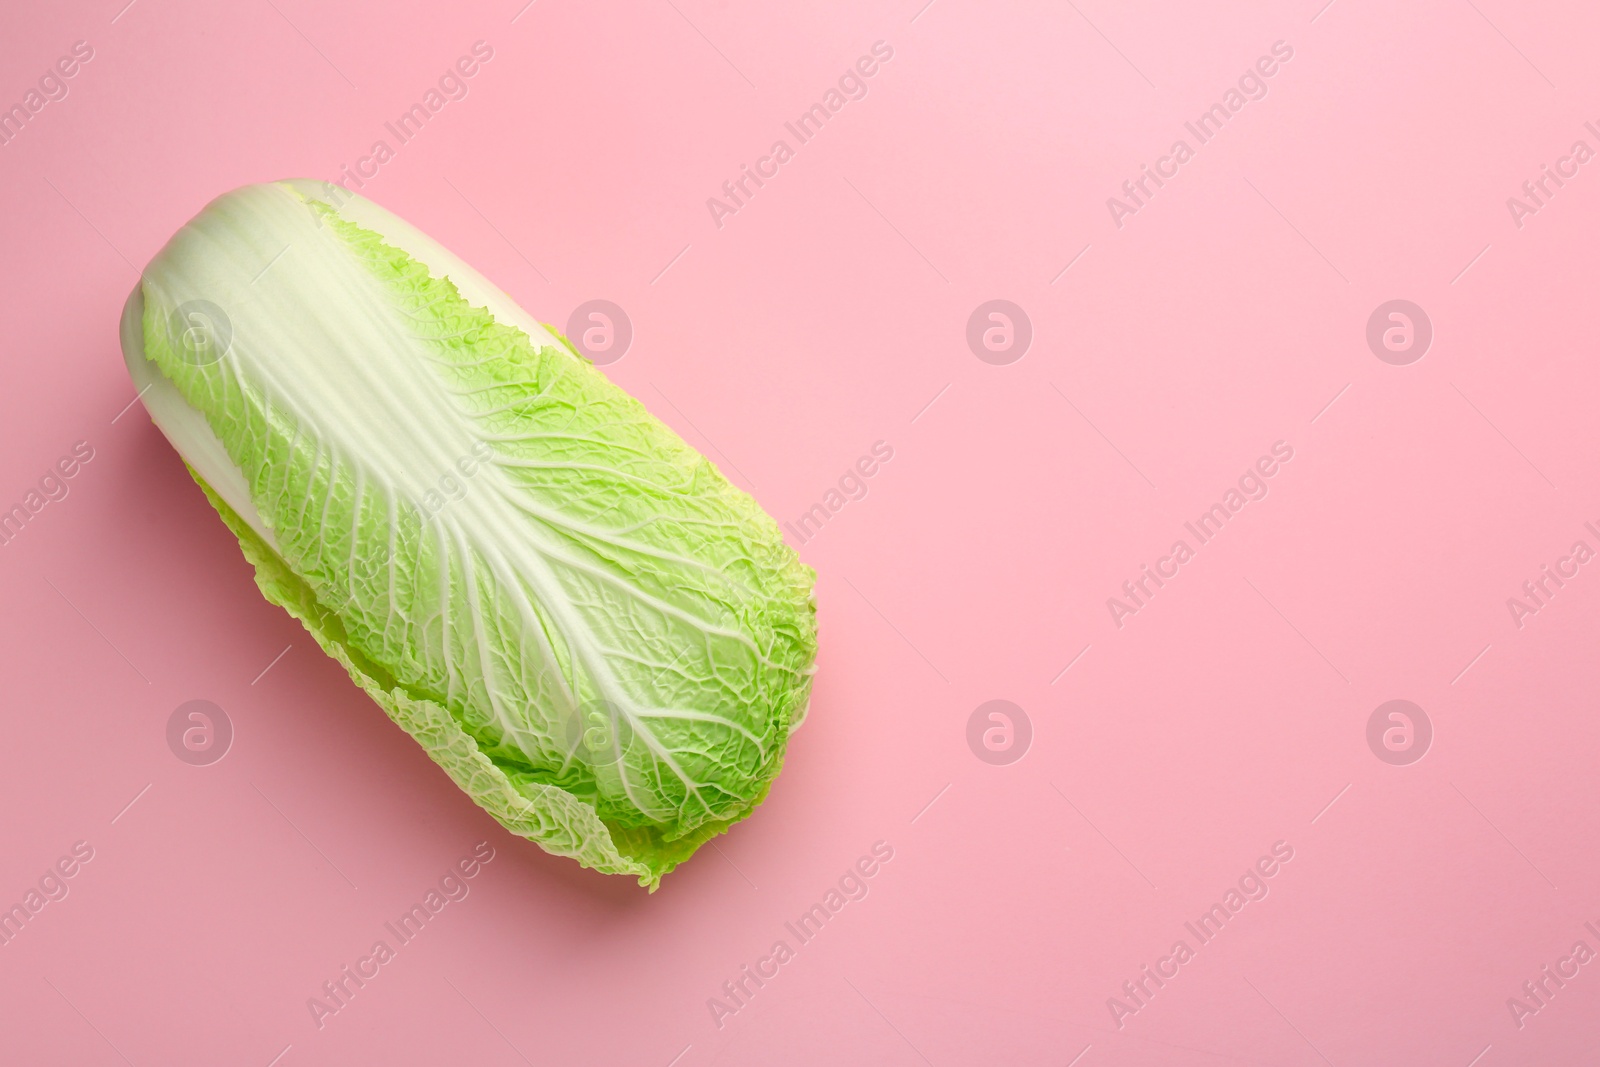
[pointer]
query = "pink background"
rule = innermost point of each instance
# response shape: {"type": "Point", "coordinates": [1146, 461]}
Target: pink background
{"type": "Point", "coordinates": [1226, 716]}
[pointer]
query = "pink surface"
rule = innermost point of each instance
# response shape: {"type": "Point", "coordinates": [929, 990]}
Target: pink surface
{"type": "Point", "coordinates": [1167, 756]}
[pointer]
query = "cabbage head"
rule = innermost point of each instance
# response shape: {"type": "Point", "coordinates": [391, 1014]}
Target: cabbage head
{"type": "Point", "coordinates": [596, 636]}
